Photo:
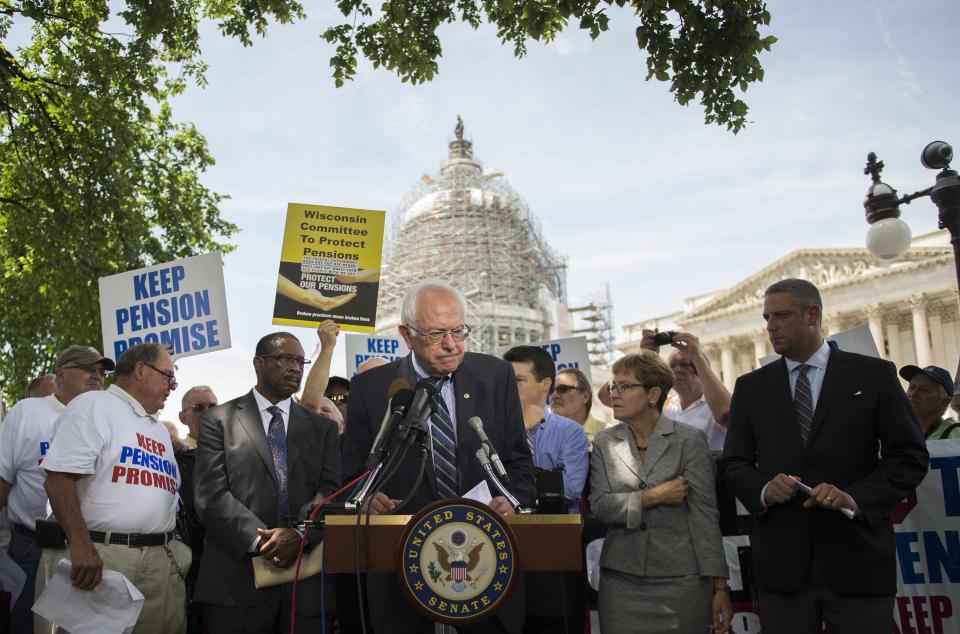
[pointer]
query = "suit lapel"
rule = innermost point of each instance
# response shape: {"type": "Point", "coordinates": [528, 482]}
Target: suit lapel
{"type": "Point", "coordinates": [248, 415]}
{"type": "Point", "coordinates": [659, 442]}
{"type": "Point", "coordinates": [828, 389]}
{"type": "Point", "coordinates": [465, 391]}
{"type": "Point", "coordinates": [780, 390]}
{"type": "Point", "coordinates": [296, 435]}
{"type": "Point", "coordinates": [624, 452]}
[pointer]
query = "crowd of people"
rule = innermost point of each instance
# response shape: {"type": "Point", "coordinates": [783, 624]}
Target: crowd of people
{"type": "Point", "coordinates": [818, 446]}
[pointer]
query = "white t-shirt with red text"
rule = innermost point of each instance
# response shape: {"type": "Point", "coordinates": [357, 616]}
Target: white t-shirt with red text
{"type": "Point", "coordinates": [24, 441]}
{"type": "Point", "coordinates": [126, 453]}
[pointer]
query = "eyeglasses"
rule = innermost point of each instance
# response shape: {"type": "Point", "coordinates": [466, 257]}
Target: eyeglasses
{"type": "Point", "coordinates": [171, 380]}
{"type": "Point", "coordinates": [199, 407]}
{"type": "Point", "coordinates": [677, 365]}
{"type": "Point", "coordinates": [563, 389]}
{"type": "Point", "coordinates": [88, 368]}
{"type": "Point", "coordinates": [436, 336]}
{"type": "Point", "coordinates": [337, 398]}
{"type": "Point", "coordinates": [286, 359]}
{"type": "Point", "coordinates": [620, 388]}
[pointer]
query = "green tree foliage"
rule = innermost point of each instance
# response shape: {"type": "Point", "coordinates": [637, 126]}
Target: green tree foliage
{"type": "Point", "coordinates": [706, 49]}
{"type": "Point", "coordinates": [96, 177]}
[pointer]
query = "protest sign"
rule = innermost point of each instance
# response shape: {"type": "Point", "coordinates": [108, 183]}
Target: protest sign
{"type": "Point", "coordinates": [927, 533]}
{"type": "Point", "coordinates": [359, 348]}
{"type": "Point", "coordinates": [181, 304]}
{"type": "Point", "coordinates": [329, 267]}
{"type": "Point", "coordinates": [570, 352]}
{"type": "Point", "coordinates": [927, 538]}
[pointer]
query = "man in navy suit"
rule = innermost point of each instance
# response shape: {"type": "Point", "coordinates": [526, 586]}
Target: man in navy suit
{"type": "Point", "coordinates": [837, 422]}
{"type": "Point", "coordinates": [434, 328]}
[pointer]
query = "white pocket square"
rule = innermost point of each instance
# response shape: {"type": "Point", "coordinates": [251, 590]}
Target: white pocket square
{"type": "Point", "coordinates": [858, 393]}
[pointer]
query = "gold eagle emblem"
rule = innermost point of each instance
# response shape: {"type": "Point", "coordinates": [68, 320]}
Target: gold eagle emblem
{"type": "Point", "coordinates": [443, 557]}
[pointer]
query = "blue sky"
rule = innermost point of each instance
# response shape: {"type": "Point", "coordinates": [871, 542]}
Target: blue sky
{"type": "Point", "coordinates": [634, 189]}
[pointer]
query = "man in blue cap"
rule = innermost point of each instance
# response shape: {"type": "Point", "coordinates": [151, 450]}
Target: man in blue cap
{"type": "Point", "coordinates": [930, 392]}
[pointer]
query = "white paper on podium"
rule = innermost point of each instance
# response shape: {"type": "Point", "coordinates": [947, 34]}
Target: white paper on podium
{"type": "Point", "coordinates": [12, 577]}
{"type": "Point", "coordinates": [479, 493]}
{"type": "Point", "coordinates": [111, 608]}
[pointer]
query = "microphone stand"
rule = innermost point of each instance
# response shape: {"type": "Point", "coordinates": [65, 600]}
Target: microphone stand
{"type": "Point", "coordinates": [417, 435]}
{"type": "Point", "coordinates": [488, 469]}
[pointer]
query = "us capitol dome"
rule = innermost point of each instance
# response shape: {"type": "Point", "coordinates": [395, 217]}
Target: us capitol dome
{"type": "Point", "coordinates": [473, 230]}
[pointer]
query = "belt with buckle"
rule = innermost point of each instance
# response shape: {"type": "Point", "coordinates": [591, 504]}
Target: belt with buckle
{"type": "Point", "coordinates": [132, 540]}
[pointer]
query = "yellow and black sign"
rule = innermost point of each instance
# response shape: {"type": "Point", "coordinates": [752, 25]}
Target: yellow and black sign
{"type": "Point", "coordinates": [329, 267]}
{"type": "Point", "coordinates": [457, 561]}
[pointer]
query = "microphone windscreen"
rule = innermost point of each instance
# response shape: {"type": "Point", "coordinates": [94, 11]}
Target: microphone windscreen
{"type": "Point", "coordinates": [402, 399]}
{"type": "Point", "coordinates": [396, 385]}
{"type": "Point", "coordinates": [427, 386]}
{"type": "Point", "coordinates": [475, 423]}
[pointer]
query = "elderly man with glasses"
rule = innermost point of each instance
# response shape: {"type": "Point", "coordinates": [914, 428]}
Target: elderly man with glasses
{"type": "Point", "coordinates": [573, 397]}
{"type": "Point", "coordinates": [24, 440]}
{"type": "Point", "coordinates": [195, 402]}
{"type": "Point", "coordinates": [112, 481]}
{"type": "Point", "coordinates": [703, 400]}
{"type": "Point", "coordinates": [433, 325]}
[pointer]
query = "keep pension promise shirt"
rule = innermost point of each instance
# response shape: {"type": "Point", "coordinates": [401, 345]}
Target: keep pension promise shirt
{"type": "Point", "coordinates": [132, 473]}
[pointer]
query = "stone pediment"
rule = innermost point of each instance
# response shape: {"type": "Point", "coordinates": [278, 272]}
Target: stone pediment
{"type": "Point", "coordinates": [826, 268]}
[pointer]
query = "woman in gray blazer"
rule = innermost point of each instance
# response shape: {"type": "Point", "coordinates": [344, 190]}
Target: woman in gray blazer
{"type": "Point", "coordinates": [652, 481]}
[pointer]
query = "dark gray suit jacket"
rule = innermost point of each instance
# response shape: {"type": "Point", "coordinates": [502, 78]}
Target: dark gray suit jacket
{"type": "Point", "coordinates": [865, 440]}
{"type": "Point", "coordinates": [485, 386]}
{"type": "Point", "coordinates": [236, 491]}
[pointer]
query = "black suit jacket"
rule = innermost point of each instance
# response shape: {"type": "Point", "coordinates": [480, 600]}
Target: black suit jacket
{"type": "Point", "coordinates": [236, 491]}
{"type": "Point", "coordinates": [484, 386]}
{"type": "Point", "coordinates": [864, 439]}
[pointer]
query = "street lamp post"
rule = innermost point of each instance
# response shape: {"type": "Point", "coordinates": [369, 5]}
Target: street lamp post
{"type": "Point", "coordinates": [888, 236]}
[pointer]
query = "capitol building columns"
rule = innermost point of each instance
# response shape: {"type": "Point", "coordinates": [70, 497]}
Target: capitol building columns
{"type": "Point", "coordinates": [874, 315]}
{"type": "Point", "coordinates": [909, 305]}
{"type": "Point", "coordinates": [921, 334]}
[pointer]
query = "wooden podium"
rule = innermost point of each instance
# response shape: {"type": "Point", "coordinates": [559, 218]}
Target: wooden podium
{"type": "Point", "coordinates": [547, 543]}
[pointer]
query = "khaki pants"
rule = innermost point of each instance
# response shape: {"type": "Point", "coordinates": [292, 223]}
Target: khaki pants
{"type": "Point", "coordinates": [149, 569]}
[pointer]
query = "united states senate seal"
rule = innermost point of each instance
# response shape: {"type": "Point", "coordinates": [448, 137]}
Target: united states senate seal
{"type": "Point", "coordinates": [457, 561]}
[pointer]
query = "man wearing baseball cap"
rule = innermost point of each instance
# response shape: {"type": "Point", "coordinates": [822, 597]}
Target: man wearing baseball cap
{"type": "Point", "coordinates": [24, 440]}
{"type": "Point", "coordinates": [930, 392]}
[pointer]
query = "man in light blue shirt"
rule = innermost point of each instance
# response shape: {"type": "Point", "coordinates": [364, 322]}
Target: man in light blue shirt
{"type": "Point", "coordinates": [554, 601]}
{"type": "Point", "coordinates": [556, 442]}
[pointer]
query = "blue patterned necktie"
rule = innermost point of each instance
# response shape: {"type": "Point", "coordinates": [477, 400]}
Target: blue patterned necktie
{"type": "Point", "coordinates": [277, 439]}
{"type": "Point", "coordinates": [803, 403]}
{"type": "Point", "coordinates": [444, 446]}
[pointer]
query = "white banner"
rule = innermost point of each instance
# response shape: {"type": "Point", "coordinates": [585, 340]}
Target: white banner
{"type": "Point", "coordinates": [359, 348]}
{"type": "Point", "coordinates": [181, 304]}
{"type": "Point", "coordinates": [570, 352]}
{"type": "Point", "coordinates": [928, 547]}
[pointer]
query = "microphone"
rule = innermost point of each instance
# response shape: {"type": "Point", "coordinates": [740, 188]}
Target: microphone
{"type": "Point", "coordinates": [477, 425]}
{"type": "Point", "coordinates": [420, 408]}
{"type": "Point", "coordinates": [400, 398]}
{"type": "Point", "coordinates": [485, 464]}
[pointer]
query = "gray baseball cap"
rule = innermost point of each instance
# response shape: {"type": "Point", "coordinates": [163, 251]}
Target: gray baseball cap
{"type": "Point", "coordinates": [83, 355]}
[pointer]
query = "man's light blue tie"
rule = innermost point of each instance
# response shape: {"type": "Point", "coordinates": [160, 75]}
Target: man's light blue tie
{"type": "Point", "coordinates": [444, 446]}
{"type": "Point", "coordinates": [803, 403]}
{"type": "Point", "coordinates": [277, 439]}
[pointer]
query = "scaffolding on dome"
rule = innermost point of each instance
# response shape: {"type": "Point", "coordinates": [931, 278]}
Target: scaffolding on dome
{"type": "Point", "coordinates": [594, 320]}
{"type": "Point", "coordinates": [474, 231]}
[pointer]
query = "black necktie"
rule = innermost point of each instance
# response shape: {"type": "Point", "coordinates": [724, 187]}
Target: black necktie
{"type": "Point", "coordinates": [803, 402]}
